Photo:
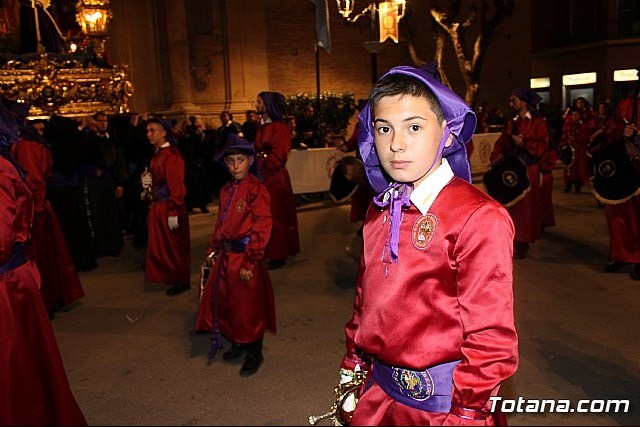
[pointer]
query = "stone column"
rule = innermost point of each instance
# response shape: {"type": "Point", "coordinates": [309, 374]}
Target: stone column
{"type": "Point", "coordinates": [178, 45]}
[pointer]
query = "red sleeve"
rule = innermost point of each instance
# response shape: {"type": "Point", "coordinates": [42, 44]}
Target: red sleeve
{"type": "Point", "coordinates": [175, 181]}
{"type": "Point", "coordinates": [353, 356]}
{"type": "Point", "coordinates": [31, 156]}
{"type": "Point", "coordinates": [503, 143]}
{"type": "Point", "coordinates": [262, 222]}
{"type": "Point", "coordinates": [7, 216]}
{"type": "Point", "coordinates": [280, 147]}
{"type": "Point", "coordinates": [214, 242]}
{"type": "Point", "coordinates": [537, 140]}
{"type": "Point", "coordinates": [485, 294]}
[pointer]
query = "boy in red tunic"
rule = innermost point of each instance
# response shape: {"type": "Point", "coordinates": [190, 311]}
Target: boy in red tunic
{"type": "Point", "coordinates": [433, 313]}
{"type": "Point", "coordinates": [168, 250]}
{"type": "Point", "coordinates": [237, 301]}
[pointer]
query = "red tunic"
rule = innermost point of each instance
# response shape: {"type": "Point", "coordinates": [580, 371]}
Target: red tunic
{"type": "Point", "coordinates": [578, 136]}
{"type": "Point", "coordinates": [547, 164]}
{"type": "Point", "coordinates": [274, 140]}
{"type": "Point", "coordinates": [34, 389]}
{"type": "Point", "coordinates": [48, 247]}
{"type": "Point", "coordinates": [449, 301]}
{"type": "Point", "coordinates": [246, 308]}
{"type": "Point", "coordinates": [526, 213]}
{"type": "Point", "coordinates": [168, 251]}
{"type": "Point", "coordinates": [623, 219]}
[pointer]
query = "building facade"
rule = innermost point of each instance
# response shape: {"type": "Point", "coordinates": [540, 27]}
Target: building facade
{"type": "Point", "coordinates": [588, 48]}
{"type": "Point", "coordinates": [203, 56]}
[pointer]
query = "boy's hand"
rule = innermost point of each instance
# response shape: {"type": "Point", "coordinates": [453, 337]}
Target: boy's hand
{"type": "Point", "coordinates": [245, 274]}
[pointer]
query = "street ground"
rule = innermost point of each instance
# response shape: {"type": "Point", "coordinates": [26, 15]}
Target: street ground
{"type": "Point", "coordinates": [132, 358]}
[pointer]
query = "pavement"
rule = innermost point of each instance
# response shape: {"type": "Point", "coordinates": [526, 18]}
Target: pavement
{"type": "Point", "coordinates": [132, 358]}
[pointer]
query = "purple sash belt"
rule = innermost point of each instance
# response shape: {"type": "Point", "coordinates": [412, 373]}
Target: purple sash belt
{"type": "Point", "coordinates": [236, 246]}
{"type": "Point", "coordinates": [16, 260]}
{"type": "Point", "coordinates": [161, 192]}
{"type": "Point", "coordinates": [428, 390]}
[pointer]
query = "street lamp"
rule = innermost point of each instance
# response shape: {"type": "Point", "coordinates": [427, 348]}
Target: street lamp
{"type": "Point", "coordinates": [388, 14]}
{"type": "Point", "coordinates": [93, 17]}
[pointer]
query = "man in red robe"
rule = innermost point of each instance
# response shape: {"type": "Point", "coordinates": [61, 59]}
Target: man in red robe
{"type": "Point", "coordinates": [48, 249]}
{"type": "Point", "coordinates": [34, 389]}
{"type": "Point", "coordinates": [527, 136]}
{"type": "Point", "coordinates": [623, 219]}
{"type": "Point", "coordinates": [168, 249]}
{"type": "Point", "coordinates": [273, 144]}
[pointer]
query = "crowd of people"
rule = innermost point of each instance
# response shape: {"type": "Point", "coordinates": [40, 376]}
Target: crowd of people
{"type": "Point", "coordinates": [73, 189]}
{"type": "Point", "coordinates": [594, 147]}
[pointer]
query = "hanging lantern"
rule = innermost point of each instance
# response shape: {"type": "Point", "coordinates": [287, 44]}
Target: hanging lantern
{"type": "Point", "coordinates": [93, 17]}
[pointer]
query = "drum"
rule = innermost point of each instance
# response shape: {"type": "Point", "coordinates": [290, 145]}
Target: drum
{"type": "Point", "coordinates": [566, 154]}
{"type": "Point", "coordinates": [347, 175]}
{"type": "Point", "coordinates": [615, 180]}
{"type": "Point", "coordinates": [507, 181]}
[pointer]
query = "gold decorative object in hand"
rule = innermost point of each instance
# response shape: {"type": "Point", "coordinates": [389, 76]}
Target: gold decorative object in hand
{"type": "Point", "coordinates": [342, 392]}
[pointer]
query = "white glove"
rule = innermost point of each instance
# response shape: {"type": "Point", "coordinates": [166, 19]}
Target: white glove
{"type": "Point", "coordinates": [173, 223]}
{"type": "Point", "coordinates": [146, 180]}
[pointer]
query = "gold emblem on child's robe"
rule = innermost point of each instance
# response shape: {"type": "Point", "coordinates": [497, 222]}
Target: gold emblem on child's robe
{"type": "Point", "coordinates": [240, 206]}
{"type": "Point", "coordinates": [423, 231]}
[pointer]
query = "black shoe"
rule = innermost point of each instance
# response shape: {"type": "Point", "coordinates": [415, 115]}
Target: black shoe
{"type": "Point", "coordinates": [235, 351]}
{"type": "Point", "coordinates": [204, 209]}
{"type": "Point", "coordinates": [614, 266]}
{"type": "Point", "coordinates": [274, 264]}
{"type": "Point", "coordinates": [251, 364]}
{"type": "Point", "coordinates": [177, 289]}
{"type": "Point", "coordinates": [635, 274]}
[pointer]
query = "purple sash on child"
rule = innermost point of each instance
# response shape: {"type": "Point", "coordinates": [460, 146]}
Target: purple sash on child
{"type": "Point", "coordinates": [16, 260]}
{"type": "Point", "coordinates": [161, 192]}
{"type": "Point", "coordinates": [428, 390]}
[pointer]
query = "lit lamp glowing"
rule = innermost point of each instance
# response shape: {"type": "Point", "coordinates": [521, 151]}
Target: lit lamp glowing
{"type": "Point", "coordinates": [388, 14]}
{"type": "Point", "coordinates": [93, 17]}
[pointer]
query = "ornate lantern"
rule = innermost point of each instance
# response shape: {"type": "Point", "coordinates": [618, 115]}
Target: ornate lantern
{"type": "Point", "coordinates": [93, 17]}
{"type": "Point", "coordinates": [390, 12]}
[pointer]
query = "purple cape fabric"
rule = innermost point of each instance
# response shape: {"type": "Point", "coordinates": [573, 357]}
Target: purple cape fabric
{"type": "Point", "coordinates": [461, 123]}
{"type": "Point", "coordinates": [273, 102]}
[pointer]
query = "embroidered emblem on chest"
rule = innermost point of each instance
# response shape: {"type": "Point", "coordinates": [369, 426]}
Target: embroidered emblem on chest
{"type": "Point", "coordinates": [240, 206]}
{"type": "Point", "coordinates": [423, 231]}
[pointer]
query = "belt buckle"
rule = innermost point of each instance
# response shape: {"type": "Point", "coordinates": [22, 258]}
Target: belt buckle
{"type": "Point", "coordinates": [417, 385]}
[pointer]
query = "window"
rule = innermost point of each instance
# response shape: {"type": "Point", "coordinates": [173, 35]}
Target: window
{"type": "Point", "coordinates": [628, 18]}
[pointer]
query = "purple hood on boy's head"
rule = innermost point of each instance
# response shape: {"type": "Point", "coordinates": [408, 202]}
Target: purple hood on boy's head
{"type": "Point", "coordinates": [461, 123]}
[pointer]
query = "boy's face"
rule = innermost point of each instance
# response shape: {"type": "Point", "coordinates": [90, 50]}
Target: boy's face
{"type": "Point", "coordinates": [156, 134]}
{"type": "Point", "coordinates": [238, 165]}
{"type": "Point", "coordinates": [407, 137]}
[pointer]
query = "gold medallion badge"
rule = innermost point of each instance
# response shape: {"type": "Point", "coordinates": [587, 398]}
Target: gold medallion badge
{"type": "Point", "coordinates": [423, 231]}
{"type": "Point", "coordinates": [240, 206]}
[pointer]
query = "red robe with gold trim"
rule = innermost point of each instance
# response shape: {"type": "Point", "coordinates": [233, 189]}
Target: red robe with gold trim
{"type": "Point", "coordinates": [34, 389]}
{"type": "Point", "coordinates": [623, 219]}
{"type": "Point", "coordinates": [448, 298]}
{"type": "Point", "coordinates": [246, 308]}
{"type": "Point", "coordinates": [168, 251]}
{"type": "Point", "coordinates": [274, 140]}
{"type": "Point", "coordinates": [48, 247]}
{"type": "Point", "coordinates": [526, 213]}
